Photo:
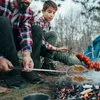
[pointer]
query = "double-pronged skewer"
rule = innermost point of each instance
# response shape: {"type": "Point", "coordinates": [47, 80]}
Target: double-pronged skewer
{"type": "Point", "coordinates": [75, 77]}
{"type": "Point", "coordinates": [75, 68]}
{"type": "Point", "coordinates": [34, 69]}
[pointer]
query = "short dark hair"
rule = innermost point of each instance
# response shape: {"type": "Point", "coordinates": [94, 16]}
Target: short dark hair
{"type": "Point", "coordinates": [48, 4]}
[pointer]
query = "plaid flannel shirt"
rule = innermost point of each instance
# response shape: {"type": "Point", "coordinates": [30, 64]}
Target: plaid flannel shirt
{"type": "Point", "coordinates": [22, 23]}
{"type": "Point", "coordinates": [46, 28]}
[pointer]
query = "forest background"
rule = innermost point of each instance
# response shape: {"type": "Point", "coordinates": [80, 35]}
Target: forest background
{"type": "Point", "coordinates": [76, 23]}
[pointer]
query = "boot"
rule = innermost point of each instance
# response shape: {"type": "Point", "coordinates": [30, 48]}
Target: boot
{"type": "Point", "coordinates": [49, 65]}
{"type": "Point", "coordinates": [33, 77]}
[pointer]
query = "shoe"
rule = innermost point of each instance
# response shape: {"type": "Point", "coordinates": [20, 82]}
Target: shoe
{"type": "Point", "coordinates": [51, 67]}
{"type": "Point", "coordinates": [33, 77]}
{"type": "Point", "coordinates": [16, 82]}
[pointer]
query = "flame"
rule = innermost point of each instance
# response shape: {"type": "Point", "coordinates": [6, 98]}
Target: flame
{"type": "Point", "coordinates": [87, 95]}
{"type": "Point", "coordinates": [98, 98]}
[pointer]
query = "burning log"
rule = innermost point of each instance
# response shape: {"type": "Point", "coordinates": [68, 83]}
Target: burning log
{"type": "Point", "coordinates": [99, 96]}
{"type": "Point", "coordinates": [78, 92]}
{"type": "Point", "coordinates": [86, 91]}
{"type": "Point", "coordinates": [85, 95]}
{"type": "Point", "coordinates": [87, 86]}
{"type": "Point", "coordinates": [77, 87]}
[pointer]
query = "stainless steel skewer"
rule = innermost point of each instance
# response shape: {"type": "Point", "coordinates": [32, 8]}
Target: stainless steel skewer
{"type": "Point", "coordinates": [43, 70]}
{"type": "Point", "coordinates": [34, 69]}
{"type": "Point", "coordinates": [46, 70]}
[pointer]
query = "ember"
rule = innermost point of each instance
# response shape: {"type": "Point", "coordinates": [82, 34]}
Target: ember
{"type": "Point", "coordinates": [67, 89]}
{"type": "Point", "coordinates": [84, 91]}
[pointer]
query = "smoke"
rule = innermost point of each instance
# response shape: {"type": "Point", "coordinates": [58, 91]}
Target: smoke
{"type": "Point", "coordinates": [95, 76]}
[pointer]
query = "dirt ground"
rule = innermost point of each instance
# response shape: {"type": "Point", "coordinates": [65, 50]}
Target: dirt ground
{"type": "Point", "coordinates": [48, 88]}
{"type": "Point", "coordinates": [17, 94]}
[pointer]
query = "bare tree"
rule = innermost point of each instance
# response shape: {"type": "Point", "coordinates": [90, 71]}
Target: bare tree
{"type": "Point", "coordinates": [77, 31]}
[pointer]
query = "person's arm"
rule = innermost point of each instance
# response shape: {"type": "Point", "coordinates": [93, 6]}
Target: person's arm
{"type": "Point", "coordinates": [26, 39]}
{"type": "Point", "coordinates": [4, 64]}
{"type": "Point", "coordinates": [25, 31]}
{"type": "Point", "coordinates": [27, 61]}
{"type": "Point", "coordinates": [53, 48]}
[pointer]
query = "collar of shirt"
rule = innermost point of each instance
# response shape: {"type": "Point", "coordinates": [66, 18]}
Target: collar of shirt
{"type": "Point", "coordinates": [45, 21]}
{"type": "Point", "coordinates": [47, 25]}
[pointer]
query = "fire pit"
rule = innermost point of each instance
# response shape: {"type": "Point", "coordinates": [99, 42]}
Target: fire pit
{"type": "Point", "coordinates": [67, 89]}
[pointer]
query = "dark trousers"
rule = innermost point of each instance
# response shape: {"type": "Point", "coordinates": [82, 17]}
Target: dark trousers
{"type": "Point", "coordinates": [51, 38]}
{"type": "Point", "coordinates": [37, 42]}
{"type": "Point", "coordinates": [7, 45]}
{"type": "Point", "coordinates": [66, 58]}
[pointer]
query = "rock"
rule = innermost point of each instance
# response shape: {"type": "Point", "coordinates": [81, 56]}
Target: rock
{"type": "Point", "coordinates": [3, 90]}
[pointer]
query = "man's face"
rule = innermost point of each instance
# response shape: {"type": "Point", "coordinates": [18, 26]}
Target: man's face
{"type": "Point", "coordinates": [49, 14]}
{"type": "Point", "coordinates": [26, 2]}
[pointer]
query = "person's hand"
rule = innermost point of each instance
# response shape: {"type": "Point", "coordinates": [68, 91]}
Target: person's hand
{"type": "Point", "coordinates": [4, 63]}
{"type": "Point", "coordinates": [62, 49]}
{"type": "Point", "coordinates": [27, 61]}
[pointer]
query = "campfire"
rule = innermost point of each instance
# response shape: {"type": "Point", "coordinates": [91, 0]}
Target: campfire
{"type": "Point", "coordinates": [85, 86]}
{"type": "Point", "coordinates": [67, 89]}
{"type": "Point", "coordinates": [78, 92]}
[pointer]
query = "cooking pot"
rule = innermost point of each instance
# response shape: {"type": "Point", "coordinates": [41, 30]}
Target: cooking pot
{"type": "Point", "coordinates": [37, 96]}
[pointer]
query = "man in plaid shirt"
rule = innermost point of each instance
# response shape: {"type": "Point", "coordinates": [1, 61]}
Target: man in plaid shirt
{"type": "Point", "coordinates": [15, 26]}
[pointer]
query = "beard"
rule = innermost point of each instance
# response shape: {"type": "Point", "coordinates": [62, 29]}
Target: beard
{"type": "Point", "coordinates": [23, 5]}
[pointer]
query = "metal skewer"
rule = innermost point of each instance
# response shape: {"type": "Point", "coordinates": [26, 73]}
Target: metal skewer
{"type": "Point", "coordinates": [34, 69]}
{"type": "Point", "coordinates": [46, 70]}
